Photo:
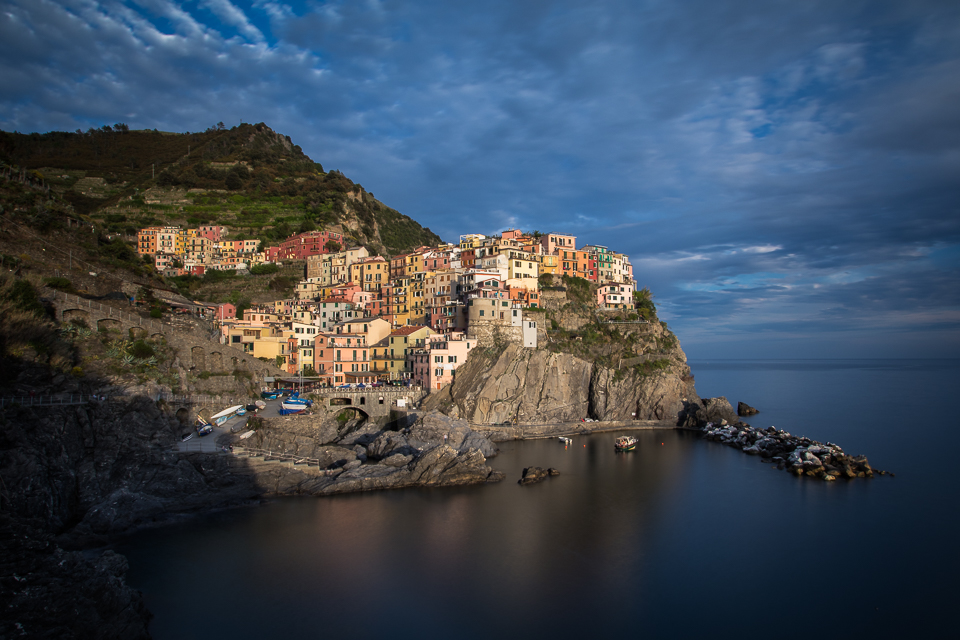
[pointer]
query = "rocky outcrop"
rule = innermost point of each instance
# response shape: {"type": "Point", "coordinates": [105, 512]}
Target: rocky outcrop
{"type": "Point", "coordinates": [533, 475]}
{"type": "Point", "coordinates": [436, 450]}
{"type": "Point", "coordinates": [799, 455]}
{"type": "Point", "coordinates": [537, 386]}
{"type": "Point", "coordinates": [743, 409]}
{"type": "Point", "coordinates": [698, 412]}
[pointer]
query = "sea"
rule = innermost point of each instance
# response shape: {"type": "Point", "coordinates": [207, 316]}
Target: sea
{"type": "Point", "coordinates": [682, 538]}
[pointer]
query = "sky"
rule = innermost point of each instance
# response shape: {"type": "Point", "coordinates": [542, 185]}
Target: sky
{"type": "Point", "coordinates": [785, 176]}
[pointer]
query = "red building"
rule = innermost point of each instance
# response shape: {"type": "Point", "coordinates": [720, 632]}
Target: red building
{"type": "Point", "coordinates": [310, 243]}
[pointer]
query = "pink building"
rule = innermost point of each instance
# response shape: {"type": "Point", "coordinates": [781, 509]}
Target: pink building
{"type": "Point", "coordinates": [554, 242]}
{"type": "Point", "coordinates": [614, 296]}
{"type": "Point", "coordinates": [435, 365]}
{"type": "Point", "coordinates": [224, 311]}
{"type": "Point", "coordinates": [212, 232]}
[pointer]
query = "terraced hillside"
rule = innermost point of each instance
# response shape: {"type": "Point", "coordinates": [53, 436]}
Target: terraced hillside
{"type": "Point", "coordinates": [249, 178]}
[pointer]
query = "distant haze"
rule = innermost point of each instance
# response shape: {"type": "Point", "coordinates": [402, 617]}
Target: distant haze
{"type": "Point", "coordinates": [784, 175]}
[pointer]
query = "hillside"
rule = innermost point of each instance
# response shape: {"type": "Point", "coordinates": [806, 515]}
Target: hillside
{"type": "Point", "coordinates": [249, 178]}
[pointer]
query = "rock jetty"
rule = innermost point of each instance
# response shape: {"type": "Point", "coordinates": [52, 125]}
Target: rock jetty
{"type": "Point", "coordinates": [798, 455]}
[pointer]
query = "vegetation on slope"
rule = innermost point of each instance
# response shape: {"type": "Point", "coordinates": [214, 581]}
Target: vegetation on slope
{"type": "Point", "coordinates": [248, 177]}
{"type": "Point", "coordinates": [631, 338]}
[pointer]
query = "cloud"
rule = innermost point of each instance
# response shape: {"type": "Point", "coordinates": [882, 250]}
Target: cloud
{"type": "Point", "coordinates": [765, 165]}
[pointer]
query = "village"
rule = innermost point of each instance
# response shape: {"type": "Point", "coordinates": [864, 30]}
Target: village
{"type": "Point", "coordinates": [360, 319]}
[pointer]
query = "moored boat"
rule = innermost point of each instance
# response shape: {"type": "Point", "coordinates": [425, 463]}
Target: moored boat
{"type": "Point", "coordinates": [625, 443]}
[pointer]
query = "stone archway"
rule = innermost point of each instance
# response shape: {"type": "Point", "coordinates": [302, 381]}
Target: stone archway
{"type": "Point", "coordinates": [109, 324]}
{"type": "Point", "coordinates": [215, 361]}
{"type": "Point", "coordinates": [198, 358]}
{"type": "Point", "coordinates": [76, 314]}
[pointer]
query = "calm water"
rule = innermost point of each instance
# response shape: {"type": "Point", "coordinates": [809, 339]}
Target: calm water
{"type": "Point", "coordinates": [680, 538]}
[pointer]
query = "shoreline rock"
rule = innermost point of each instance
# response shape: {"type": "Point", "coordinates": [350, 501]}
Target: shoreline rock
{"type": "Point", "coordinates": [743, 409]}
{"type": "Point", "coordinates": [533, 475]}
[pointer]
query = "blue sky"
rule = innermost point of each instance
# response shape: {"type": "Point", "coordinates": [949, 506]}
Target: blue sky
{"type": "Point", "coordinates": [784, 175]}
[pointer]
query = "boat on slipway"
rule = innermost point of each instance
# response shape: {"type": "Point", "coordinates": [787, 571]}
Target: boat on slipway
{"type": "Point", "coordinates": [225, 415]}
{"type": "Point", "coordinates": [625, 443]}
{"type": "Point", "coordinates": [287, 408]}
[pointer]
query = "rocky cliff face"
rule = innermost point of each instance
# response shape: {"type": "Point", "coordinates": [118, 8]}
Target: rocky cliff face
{"type": "Point", "coordinates": [536, 386]}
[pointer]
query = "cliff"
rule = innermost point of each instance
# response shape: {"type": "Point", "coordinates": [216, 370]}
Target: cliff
{"type": "Point", "coordinates": [613, 365]}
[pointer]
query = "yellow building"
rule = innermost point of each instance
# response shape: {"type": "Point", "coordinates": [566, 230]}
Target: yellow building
{"type": "Point", "coordinates": [370, 273]}
{"type": "Point", "coordinates": [389, 356]}
{"type": "Point", "coordinates": [549, 264]}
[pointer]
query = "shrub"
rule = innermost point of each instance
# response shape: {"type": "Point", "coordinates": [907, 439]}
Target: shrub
{"type": "Point", "coordinates": [264, 269]}
{"type": "Point", "coordinates": [156, 313]}
{"type": "Point", "coordinates": [142, 350]}
{"type": "Point", "coordinates": [63, 284]}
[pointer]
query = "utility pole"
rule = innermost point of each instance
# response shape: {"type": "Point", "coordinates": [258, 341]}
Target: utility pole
{"type": "Point", "coordinates": [153, 171]}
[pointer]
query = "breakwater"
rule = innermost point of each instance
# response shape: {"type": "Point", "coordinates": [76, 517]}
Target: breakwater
{"type": "Point", "coordinates": [796, 454]}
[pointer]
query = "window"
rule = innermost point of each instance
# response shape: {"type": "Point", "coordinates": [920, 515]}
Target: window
{"type": "Point", "coordinates": [451, 358]}
{"type": "Point", "coordinates": [481, 312]}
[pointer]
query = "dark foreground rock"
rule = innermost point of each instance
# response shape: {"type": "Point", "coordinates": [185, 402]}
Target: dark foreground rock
{"type": "Point", "coordinates": [532, 475]}
{"type": "Point", "coordinates": [73, 477]}
{"type": "Point", "coordinates": [51, 593]}
{"type": "Point", "coordinates": [801, 456]}
{"type": "Point", "coordinates": [743, 409]}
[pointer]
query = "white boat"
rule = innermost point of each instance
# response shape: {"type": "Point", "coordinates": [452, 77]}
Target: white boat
{"type": "Point", "coordinates": [286, 408]}
{"type": "Point", "coordinates": [225, 415]}
{"type": "Point", "coordinates": [565, 440]}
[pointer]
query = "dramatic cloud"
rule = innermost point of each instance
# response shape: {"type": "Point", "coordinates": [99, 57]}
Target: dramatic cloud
{"type": "Point", "coordinates": [783, 174]}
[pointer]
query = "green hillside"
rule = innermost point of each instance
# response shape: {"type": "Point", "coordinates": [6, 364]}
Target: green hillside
{"type": "Point", "coordinates": [249, 178]}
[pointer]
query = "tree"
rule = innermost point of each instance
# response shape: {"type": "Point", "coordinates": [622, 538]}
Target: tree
{"type": "Point", "coordinates": [332, 246]}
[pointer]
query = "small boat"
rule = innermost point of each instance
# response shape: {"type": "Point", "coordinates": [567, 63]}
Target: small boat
{"type": "Point", "coordinates": [296, 399]}
{"type": "Point", "coordinates": [271, 395]}
{"type": "Point", "coordinates": [625, 443]}
{"type": "Point", "coordinates": [242, 411]}
{"type": "Point", "coordinates": [565, 440]}
{"type": "Point", "coordinates": [204, 428]}
{"type": "Point", "coordinates": [286, 408]}
{"type": "Point", "coordinates": [259, 404]}
{"type": "Point", "coordinates": [225, 415]}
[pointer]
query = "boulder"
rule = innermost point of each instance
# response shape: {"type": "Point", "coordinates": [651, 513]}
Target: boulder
{"type": "Point", "coordinates": [435, 428]}
{"type": "Point", "coordinates": [532, 475]}
{"type": "Point", "coordinates": [743, 409]}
